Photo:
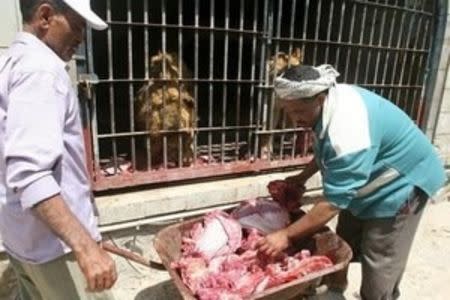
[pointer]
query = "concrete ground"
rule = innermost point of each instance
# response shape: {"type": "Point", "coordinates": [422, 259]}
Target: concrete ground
{"type": "Point", "coordinates": [427, 275]}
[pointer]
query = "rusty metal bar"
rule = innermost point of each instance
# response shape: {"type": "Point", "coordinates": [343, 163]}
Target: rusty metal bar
{"type": "Point", "coordinates": [111, 86]}
{"type": "Point", "coordinates": [174, 175]}
{"type": "Point", "coordinates": [147, 77]}
{"type": "Point", "coordinates": [225, 76]}
{"type": "Point", "coordinates": [130, 87]}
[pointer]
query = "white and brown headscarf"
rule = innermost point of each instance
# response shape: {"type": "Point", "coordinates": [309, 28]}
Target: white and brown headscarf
{"type": "Point", "coordinates": [290, 89]}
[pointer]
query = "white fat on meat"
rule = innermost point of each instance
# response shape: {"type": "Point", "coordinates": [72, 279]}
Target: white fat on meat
{"type": "Point", "coordinates": [262, 214]}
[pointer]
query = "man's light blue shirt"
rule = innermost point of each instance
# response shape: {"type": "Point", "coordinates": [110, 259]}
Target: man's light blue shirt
{"type": "Point", "coordinates": [372, 155]}
{"type": "Point", "coordinates": [41, 149]}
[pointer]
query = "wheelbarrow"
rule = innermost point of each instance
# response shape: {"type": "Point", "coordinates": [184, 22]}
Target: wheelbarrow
{"type": "Point", "coordinates": [168, 245]}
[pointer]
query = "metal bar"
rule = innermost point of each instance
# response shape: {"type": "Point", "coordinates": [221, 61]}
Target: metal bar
{"type": "Point", "coordinates": [195, 172]}
{"type": "Point", "coordinates": [402, 21]}
{"type": "Point", "coordinates": [239, 77]}
{"type": "Point", "coordinates": [147, 77]}
{"type": "Point", "coordinates": [291, 35]}
{"type": "Point", "coordinates": [403, 62]}
{"type": "Point", "coordinates": [94, 120]}
{"type": "Point", "coordinates": [111, 86]}
{"type": "Point", "coordinates": [305, 25]}
{"type": "Point", "coordinates": [271, 124]}
{"type": "Point", "coordinates": [211, 73]}
{"type": "Point", "coordinates": [355, 45]}
{"type": "Point", "coordinates": [180, 76]}
{"type": "Point", "coordinates": [261, 76]}
{"type": "Point", "coordinates": [187, 80]}
{"type": "Point", "coordinates": [380, 41]}
{"type": "Point", "coordinates": [252, 77]}
{"type": "Point", "coordinates": [347, 60]}
{"type": "Point", "coordinates": [421, 110]}
{"type": "Point", "coordinates": [225, 75]}
{"type": "Point", "coordinates": [330, 22]}
{"type": "Point", "coordinates": [372, 32]}
{"type": "Point", "coordinates": [386, 64]}
{"type": "Point", "coordinates": [184, 27]}
{"type": "Point", "coordinates": [196, 42]}
{"type": "Point", "coordinates": [130, 87]}
{"type": "Point", "coordinates": [413, 93]}
{"type": "Point", "coordinates": [164, 75]}
{"type": "Point", "coordinates": [339, 40]}
{"type": "Point", "coordinates": [316, 34]}
{"type": "Point", "coordinates": [393, 7]}
{"type": "Point", "coordinates": [201, 129]}
{"type": "Point", "coordinates": [361, 42]}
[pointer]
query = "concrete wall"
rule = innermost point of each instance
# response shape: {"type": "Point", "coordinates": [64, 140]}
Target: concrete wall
{"type": "Point", "coordinates": [442, 135]}
{"type": "Point", "coordinates": [11, 22]}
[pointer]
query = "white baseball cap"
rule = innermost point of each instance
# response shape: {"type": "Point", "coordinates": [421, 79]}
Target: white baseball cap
{"type": "Point", "coordinates": [83, 8]}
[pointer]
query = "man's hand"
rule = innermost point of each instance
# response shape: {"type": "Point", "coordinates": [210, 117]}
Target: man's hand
{"type": "Point", "coordinates": [98, 268]}
{"type": "Point", "coordinates": [96, 265]}
{"type": "Point", "coordinates": [274, 243]}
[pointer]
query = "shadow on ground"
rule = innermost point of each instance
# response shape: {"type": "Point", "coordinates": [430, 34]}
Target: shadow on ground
{"type": "Point", "coordinates": [163, 290]}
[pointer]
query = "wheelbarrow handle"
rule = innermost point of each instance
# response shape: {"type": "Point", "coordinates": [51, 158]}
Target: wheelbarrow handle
{"type": "Point", "coordinates": [125, 253]}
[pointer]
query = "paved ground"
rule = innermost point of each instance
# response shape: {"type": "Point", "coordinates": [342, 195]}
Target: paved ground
{"type": "Point", "coordinates": [427, 275]}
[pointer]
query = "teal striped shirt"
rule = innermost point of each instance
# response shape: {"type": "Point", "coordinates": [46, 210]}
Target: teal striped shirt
{"type": "Point", "coordinates": [372, 155]}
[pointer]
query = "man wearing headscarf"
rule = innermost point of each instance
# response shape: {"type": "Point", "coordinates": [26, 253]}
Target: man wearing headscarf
{"type": "Point", "coordinates": [378, 171]}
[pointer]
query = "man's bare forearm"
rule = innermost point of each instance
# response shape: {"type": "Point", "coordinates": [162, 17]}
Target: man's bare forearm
{"type": "Point", "coordinates": [310, 169]}
{"type": "Point", "coordinates": [315, 219]}
{"type": "Point", "coordinates": [56, 214]}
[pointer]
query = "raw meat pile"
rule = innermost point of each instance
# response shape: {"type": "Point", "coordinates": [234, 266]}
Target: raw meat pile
{"type": "Point", "coordinates": [219, 257]}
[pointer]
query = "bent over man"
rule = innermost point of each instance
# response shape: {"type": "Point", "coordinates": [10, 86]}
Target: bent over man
{"type": "Point", "coordinates": [378, 171]}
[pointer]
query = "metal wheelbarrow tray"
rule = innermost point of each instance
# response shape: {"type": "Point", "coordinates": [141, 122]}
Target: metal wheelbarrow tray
{"type": "Point", "coordinates": [168, 245]}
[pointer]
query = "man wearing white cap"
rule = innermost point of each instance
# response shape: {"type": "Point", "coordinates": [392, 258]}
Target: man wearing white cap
{"type": "Point", "coordinates": [47, 219]}
{"type": "Point", "coordinates": [378, 171]}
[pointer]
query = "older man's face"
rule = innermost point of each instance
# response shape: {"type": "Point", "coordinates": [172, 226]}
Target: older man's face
{"type": "Point", "coordinates": [304, 112]}
{"type": "Point", "coordinates": [65, 33]}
